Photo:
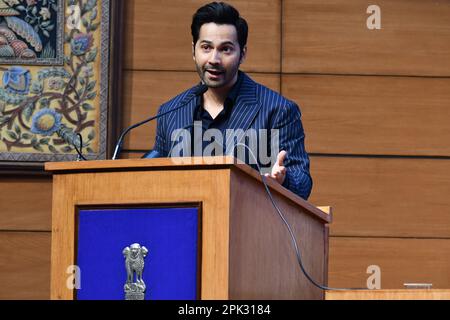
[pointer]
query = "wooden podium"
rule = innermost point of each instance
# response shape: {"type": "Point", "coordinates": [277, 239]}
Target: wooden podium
{"type": "Point", "coordinates": [245, 249]}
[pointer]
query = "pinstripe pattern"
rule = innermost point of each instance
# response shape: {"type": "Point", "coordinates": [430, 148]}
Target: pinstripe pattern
{"type": "Point", "coordinates": [256, 107]}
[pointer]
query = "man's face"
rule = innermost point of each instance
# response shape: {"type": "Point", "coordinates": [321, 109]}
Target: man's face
{"type": "Point", "coordinates": [217, 55]}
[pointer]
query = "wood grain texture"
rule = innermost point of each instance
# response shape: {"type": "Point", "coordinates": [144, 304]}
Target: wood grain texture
{"type": "Point", "coordinates": [63, 238]}
{"type": "Point", "coordinates": [137, 188]}
{"type": "Point", "coordinates": [400, 260]}
{"type": "Point", "coordinates": [158, 34]}
{"type": "Point", "coordinates": [25, 265]}
{"type": "Point", "coordinates": [373, 115]}
{"type": "Point", "coordinates": [165, 185]}
{"type": "Point", "coordinates": [384, 197]}
{"type": "Point", "coordinates": [332, 37]}
{"type": "Point", "coordinates": [388, 295]}
{"type": "Point", "coordinates": [263, 263]}
{"type": "Point", "coordinates": [326, 209]}
{"type": "Point", "coordinates": [131, 155]}
{"type": "Point", "coordinates": [186, 164]}
{"type": "Point", "coordinates": [146, 91]}
{"type": "Point", "coordinates": [25, 203]}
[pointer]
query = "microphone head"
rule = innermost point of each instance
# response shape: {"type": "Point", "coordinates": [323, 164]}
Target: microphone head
{"type": "Point", "coordinates": [151, 154]}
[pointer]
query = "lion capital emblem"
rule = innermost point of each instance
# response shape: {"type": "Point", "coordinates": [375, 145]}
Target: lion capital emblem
{"type": "Point", "coordinates": [134, 264]}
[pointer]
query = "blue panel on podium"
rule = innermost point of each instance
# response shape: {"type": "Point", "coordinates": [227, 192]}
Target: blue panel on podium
{"type": "Point", "coordinates": [171, 236]}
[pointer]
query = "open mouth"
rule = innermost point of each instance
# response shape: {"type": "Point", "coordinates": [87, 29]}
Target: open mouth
{"type": "Point", "coordinates": [215, 73]}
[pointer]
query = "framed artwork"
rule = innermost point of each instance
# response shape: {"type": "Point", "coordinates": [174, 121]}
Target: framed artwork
{"type": "Point", "coordinates": [55, 79]}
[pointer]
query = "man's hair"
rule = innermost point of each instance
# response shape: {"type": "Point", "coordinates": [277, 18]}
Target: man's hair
{"type": "Point", "coordinates": [219, 13]}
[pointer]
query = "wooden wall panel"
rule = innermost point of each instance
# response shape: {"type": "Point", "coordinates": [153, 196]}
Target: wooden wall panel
{"type": "Point", "coordinates": [400, 260]}
{"type": "Point", "coordinates": [25, 203]}
{"type": "Point", "coordinates": [158, 34]}
{"type": "Point", "coordinates": [384, 197]}
{"type": "Point", "coordinates": [371, 197]}
{"type": "Point", "coordinates": [131, 155]}
{"type": "Point", "coordinates": [145, 91]}
{"type": "Point", "coordinates": [332, 37]}
{"type": "Point", "coordinates": [373, 115]}
{"type": "Point", "coordinates": [25, 265]}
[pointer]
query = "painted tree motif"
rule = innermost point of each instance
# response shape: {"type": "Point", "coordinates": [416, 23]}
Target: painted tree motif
{"type": "Point", "coordinates": [42, 108]}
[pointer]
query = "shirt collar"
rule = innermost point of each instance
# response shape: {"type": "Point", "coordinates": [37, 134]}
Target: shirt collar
{"type": "Point", "coordinates": [234, 92]}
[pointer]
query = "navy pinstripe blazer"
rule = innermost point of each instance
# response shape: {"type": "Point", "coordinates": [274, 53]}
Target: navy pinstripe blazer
{"type": "Point", "coordinates": [256, 107]}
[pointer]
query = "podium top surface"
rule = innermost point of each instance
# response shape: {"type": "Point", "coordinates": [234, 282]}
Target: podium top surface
{"type": "Point", "coordinates": [128, 164]}
{"type": "Point", "coordinates": [186, 163]}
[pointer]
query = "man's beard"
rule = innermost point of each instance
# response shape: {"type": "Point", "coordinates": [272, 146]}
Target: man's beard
{"type": "Point", "coordinates": [225, 79]}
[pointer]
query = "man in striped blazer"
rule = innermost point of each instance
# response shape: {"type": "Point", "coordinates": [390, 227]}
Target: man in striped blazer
{"type": "Point", "coordinates": [227, 99]}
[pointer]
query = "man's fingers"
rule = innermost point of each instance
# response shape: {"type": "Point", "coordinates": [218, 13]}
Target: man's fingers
{"type": "Point", "coordinates": [279, 170]}
{"type": "Point", "coordinates": [280, 158]}
{"type": "Point", "coordinates": [278, 175]}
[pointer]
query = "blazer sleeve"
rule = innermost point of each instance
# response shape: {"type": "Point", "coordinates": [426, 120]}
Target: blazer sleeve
{"type": "Point", "coordinates": [292, 140]}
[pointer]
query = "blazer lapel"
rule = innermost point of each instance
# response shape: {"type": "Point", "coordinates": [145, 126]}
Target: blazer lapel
{"type": "Point", "coordinates": [185, 116]}
{"type": "Point", "coordinates": [244, 111]}
{"type": "Point", "coordinates": [181, 118]}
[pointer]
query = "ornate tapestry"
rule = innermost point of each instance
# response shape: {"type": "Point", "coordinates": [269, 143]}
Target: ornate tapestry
{"type": "Point", "coordinates": [31, 32]}
{"type": "Point", "coordinates": [54, 58]}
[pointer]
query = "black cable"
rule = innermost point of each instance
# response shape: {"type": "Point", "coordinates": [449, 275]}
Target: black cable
{"type": "Point", "coordinates": [80, 154]}
{"type": "Point", "coordinates": [198, 90]}
{"type": "Point", "coordinates": [288, 226]}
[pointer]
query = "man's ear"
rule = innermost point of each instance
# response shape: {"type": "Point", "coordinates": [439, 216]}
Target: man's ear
{"type": "Point", "coordinates": [243, 55]}
{"type": "Point", "coordinates": [193, 51]}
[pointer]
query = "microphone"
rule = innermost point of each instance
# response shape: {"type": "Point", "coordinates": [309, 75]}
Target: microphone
{"type": "Point", "coordinates": [73, 139]}
{"type": "Point", "coordinates": [200, 89]}
{"type": "Point", "coordinates": [151, 154]}
{"type": "Point", "coordinates": [155, 154]}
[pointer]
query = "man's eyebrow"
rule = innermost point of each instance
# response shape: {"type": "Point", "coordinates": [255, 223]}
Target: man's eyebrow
{"type": "Point", "coordinates": [227, 43]}
{"type": "Point", "coordinates": [221, 44]}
